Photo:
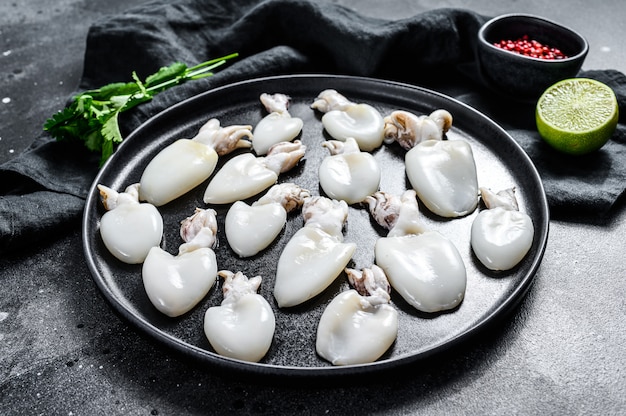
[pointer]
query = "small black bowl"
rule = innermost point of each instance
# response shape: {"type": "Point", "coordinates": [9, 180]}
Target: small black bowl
{"type": "Point", "coordinates": [522, 76]}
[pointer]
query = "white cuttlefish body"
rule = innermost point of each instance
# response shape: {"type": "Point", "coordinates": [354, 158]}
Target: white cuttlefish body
{"type": "Point", "coordinates": [348, 173]}
{"type": "Point", "coordinates": [175, 284]}
{"type": "Point", "coordinates": [501, 235]}
{"type": "Point", "coordinates": [243, 326]}
{"type": "Point", "coordinates": [251, 228]}
{"type": "Point", "coordinates": [359, 325]}
{"type": "Point", "coordinates": [315, 255]}
{"type": "Point", "coordinates": [278, 126]}
{"type": "Point", "coordinates": [186, 163]}
{"type": "Point", "coordinates": [245, 175]}
{"type": "Point", "coordinates": [423, 266]}
{"type": "Point", "coordinates": [343, 119]}
{"type": "Point", "coordinates": [442, 172]}
{"type": "Point", "coordinates": [129, 229]}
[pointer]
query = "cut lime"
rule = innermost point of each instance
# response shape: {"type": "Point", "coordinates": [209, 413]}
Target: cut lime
{"type": "Point", "coordinates": [577, 115]}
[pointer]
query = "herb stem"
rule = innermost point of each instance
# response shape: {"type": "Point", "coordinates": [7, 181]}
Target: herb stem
{"type": "Point", "coordinates": [194, 72]}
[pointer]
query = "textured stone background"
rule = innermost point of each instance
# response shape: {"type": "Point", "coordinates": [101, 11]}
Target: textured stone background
{"type": "Point", "coordinates": [64, 352]}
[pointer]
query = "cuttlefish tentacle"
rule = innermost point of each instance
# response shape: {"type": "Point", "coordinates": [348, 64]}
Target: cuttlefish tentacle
{"type": "Point", "coordinates": [111, 198]}
{"type": "Point", "coordinates": [443, 119]}
{"type": "Point", "coordinates": [409, 129]}
{"type": "Point", "coordinates": [236, 285]}
{"type": "Point", "coordinates": [371, 283]}
{"type": "Point", "coordinates": [289, 195]}
{"type": "Point", "coordinates": [284, 156]}
{"type": "Point", "coordinates": [359, 324]}
{"type": "Point", "coordinates": [504, 198]}
{"type": "Point", "coordinates": [326, 214]}
{"type": "Point", "coordinates": [330, 100]}
{"type": "Point", "coordinates": [243, 326]}
{"type": "Point", "coordinates": [129, 229]}
{"type": "Point", "coordinates": [384, 208]}
{"type": "Point", "coordinates": [224, 139]}
{"type": "Point", "coordinates": [409, 220]}
{"type": "Point", "coordinates": [175, 284]}
{"type": "Point", "coordinates": [275, 103]}
{"type": "Point", "coordinates": [398, 214]}
{"type": "Point", "coordinates": [336, 147]}
{"type": "Point", "coordinates": [199, 230]}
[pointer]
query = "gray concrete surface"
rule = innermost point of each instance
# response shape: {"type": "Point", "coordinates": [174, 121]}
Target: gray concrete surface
{"type": "Point", "coordinates": [562, 352]}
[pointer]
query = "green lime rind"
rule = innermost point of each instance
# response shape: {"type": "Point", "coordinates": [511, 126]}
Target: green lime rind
{"type": "Point", "coordinates": [577, 116]}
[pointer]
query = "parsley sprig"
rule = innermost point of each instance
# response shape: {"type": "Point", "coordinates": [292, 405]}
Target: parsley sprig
{"type": "Point", "coordinates": [93, 115]}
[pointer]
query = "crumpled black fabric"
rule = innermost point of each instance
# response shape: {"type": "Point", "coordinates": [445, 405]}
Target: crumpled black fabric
{"type": "Point", "coordinates": [44, 188]}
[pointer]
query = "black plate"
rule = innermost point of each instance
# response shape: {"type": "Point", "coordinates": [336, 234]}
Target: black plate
{"type": "Point", "coordinates": [501, 163]}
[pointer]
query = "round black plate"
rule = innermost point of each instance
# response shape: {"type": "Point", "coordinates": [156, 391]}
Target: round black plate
{"type": "Point", "coordinates": [501, 163]}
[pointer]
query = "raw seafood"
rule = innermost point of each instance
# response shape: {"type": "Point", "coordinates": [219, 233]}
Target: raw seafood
{"type": "Point", "coordinates": [348, 174]}
{"type": "Point", "coordinates": [243, 326]}
{"type": "Point", "coordinates": [186, 163]}
{"type": "Point", "coordinates": [278, 126]}
{"type": "Point", "coordinates": [129, 229]}
{"type": "Point", "coordinates": [315, 255]}
{"type": "Point", "coordinates": [443, 172]}
{"type": "Point", "coordinates": [501, 235]}
{"type": "Point", "coordinates": [423, 266]}
{"type": "Point", "coordinates": [246, 175]}
{"type": "Point", "coordinates": [175, 284]}
{"type": "Point", "coordinates": [409, 129]}
{"type": "Point", "coordinates": [343, 119]}
{"type": "Point", "coordinates": [251, 228]}
{"type": "Point", "coordinates": [359, 324]}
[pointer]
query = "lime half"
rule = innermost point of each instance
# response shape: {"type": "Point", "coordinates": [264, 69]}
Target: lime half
{"type": "Point", "coordinates": [577, 115]}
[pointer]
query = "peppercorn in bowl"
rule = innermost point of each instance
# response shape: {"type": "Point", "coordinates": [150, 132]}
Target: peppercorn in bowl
{"type": "Point", "coordinates": [521, 55]}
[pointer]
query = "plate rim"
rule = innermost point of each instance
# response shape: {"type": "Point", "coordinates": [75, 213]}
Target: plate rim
{"type": "Point", "coordinates": [499, 312]}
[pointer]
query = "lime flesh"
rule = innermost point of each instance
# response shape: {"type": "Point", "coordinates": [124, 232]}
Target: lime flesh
{"type": "Point", "coordinates": [577, 116]}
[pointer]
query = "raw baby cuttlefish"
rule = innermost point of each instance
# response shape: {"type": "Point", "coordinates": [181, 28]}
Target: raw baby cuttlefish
{"type": "Point", "coordinates": [186, 163]}
{"type": "Point", "coordinates": [245, 175]}
{"type": "Point", "coordinates": [422, 265]}
{"type": "Point", "coordinates": [129, 228]}
{"type": "Point", "coordinates": [278, 126]}
{"type": "Point", "coordinates": [442, 172]}
{"type": "Point", "coordinates": [348, 173]}
{"type": "Point", "coordinates": [243, 326]}
{"type": "Point", "coordinates": [359, 325]}
{"type": "Point", "coordinates": [315, 255]}
{"type": "Point", "coordinates": [342, 119]}
{"type": "Point", "coordinates": [501, 235]}
{"type": "Point", "coordinates": [175, 284]}
{"type": "Point", "coordinates": [251, 228]}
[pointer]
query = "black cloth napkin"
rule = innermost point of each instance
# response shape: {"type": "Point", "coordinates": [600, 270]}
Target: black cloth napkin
{"type": "Point", "coordinates": [44, 188]}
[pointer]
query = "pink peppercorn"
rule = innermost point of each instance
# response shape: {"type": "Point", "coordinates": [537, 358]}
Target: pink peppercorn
{"type": "Point", "coordinates": [532, 48]}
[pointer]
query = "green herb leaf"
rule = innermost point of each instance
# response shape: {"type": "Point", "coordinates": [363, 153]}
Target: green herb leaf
{"type": "Point", "coordinates": [93, 115]}
{"type": "Point", "coordinates": [94, 141]}
{"type": "Point", "coordinates": [177, 69]}
{"type": "Point", "coordinates": [111, 129]}
{"type": "Point", "coordinates": [55, 124]}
